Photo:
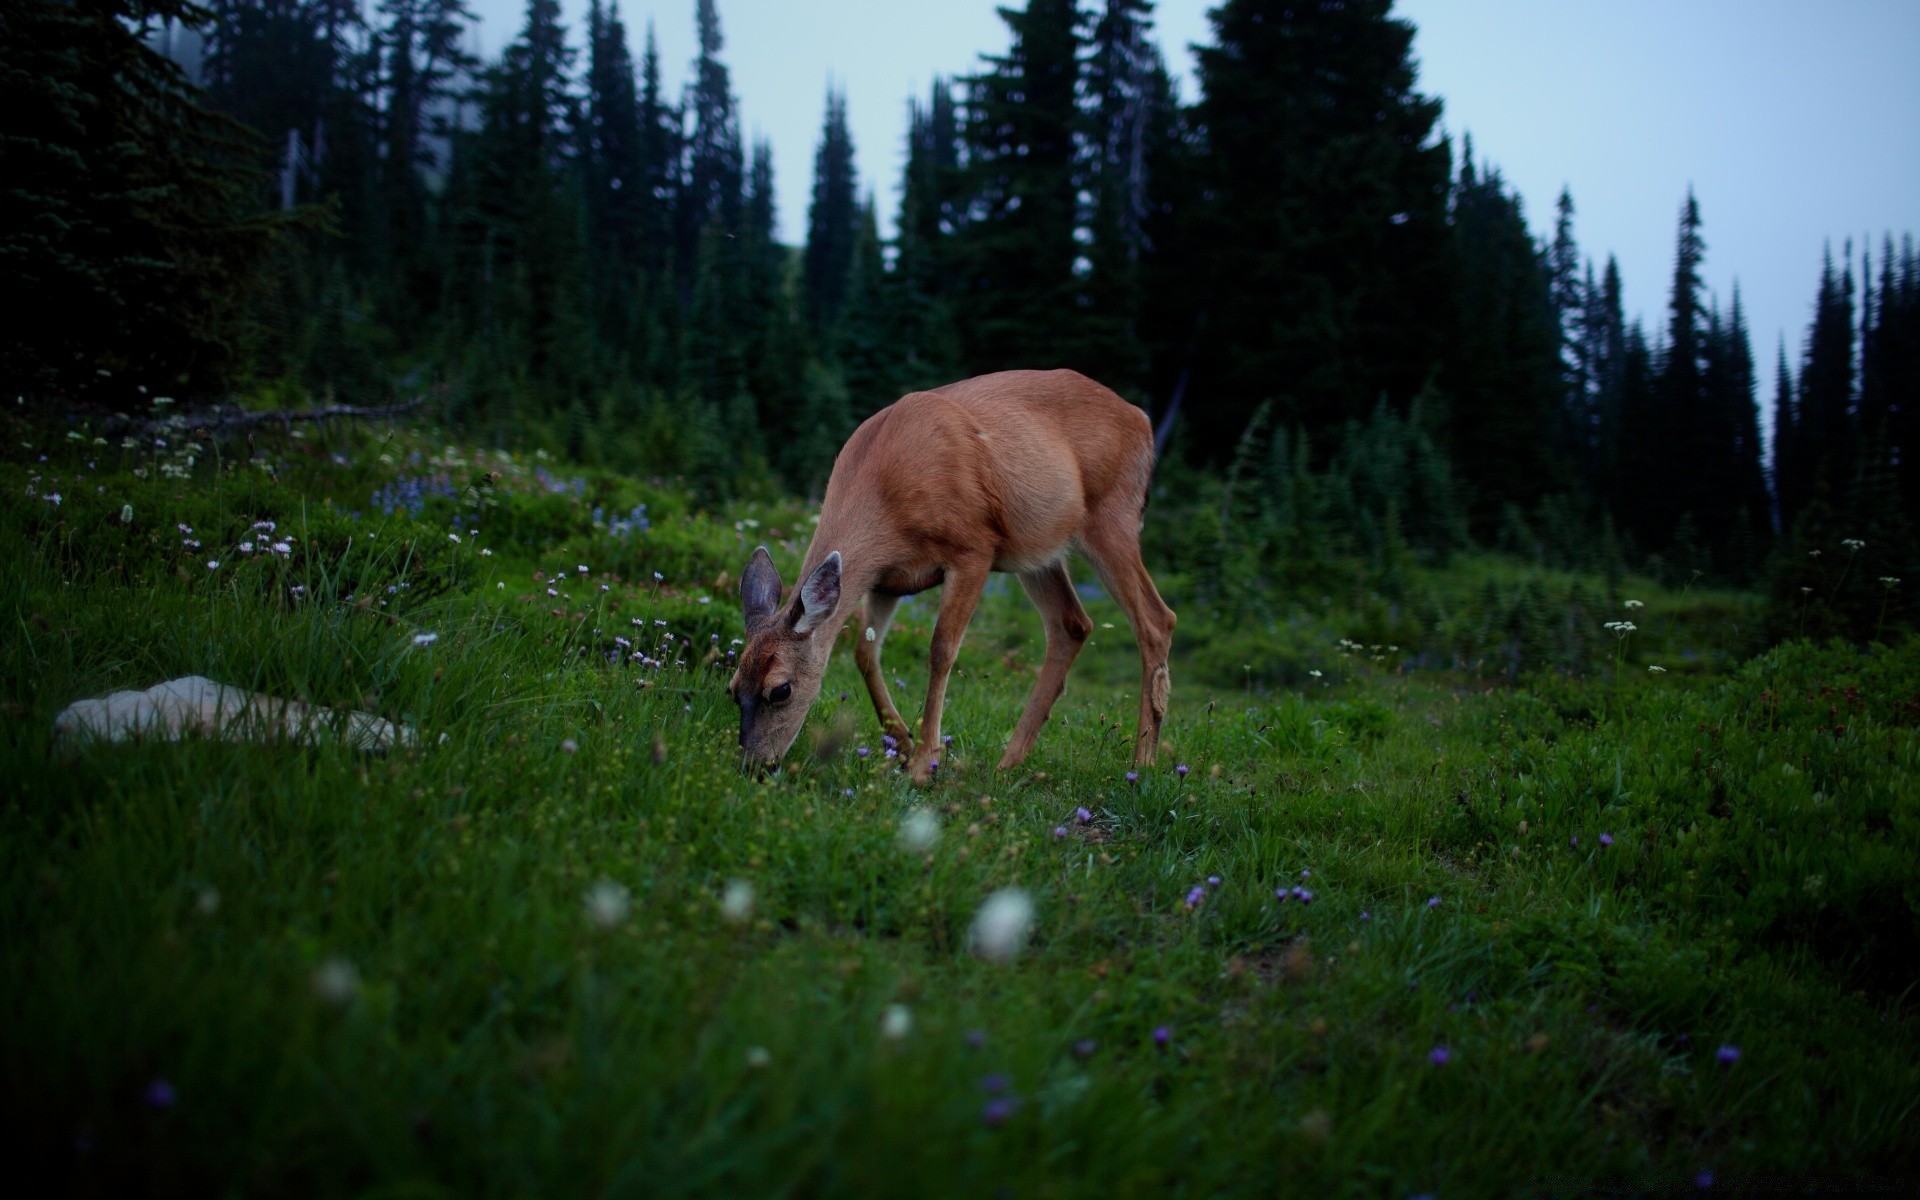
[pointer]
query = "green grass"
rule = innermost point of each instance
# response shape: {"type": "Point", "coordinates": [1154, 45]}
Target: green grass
{"type": "Point", "coordinates": [378, 975]}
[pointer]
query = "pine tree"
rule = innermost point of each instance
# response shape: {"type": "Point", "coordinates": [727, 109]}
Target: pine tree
{"type": "Point", "coordinates": [1326, 222]}
{"type": "Point", "coordinates": [1790, 484]}
{"type": "Point", "coordinates": [712, 188]}
{"type": "Point", "coordinates": [1126, 89]}
{"type": "Point", "coordinates": [1568, 293]}
{"type": "Point", "coordinates": [1502, 376]}
{"type": "Point", "coordinates": [422, 69]}
{"type": "Point", "coordinates": [1015, 302]}
{"type": "Point", "coordinates": [832, 220]}
{"type": "Point", "coordinates": [931, 211]}
{"type": "Point", "coordinates": [128, 212]}
{"type": "Point", "coordinates": [611, 156]}
{"type": "Point", "coordinates": [1826, 397]}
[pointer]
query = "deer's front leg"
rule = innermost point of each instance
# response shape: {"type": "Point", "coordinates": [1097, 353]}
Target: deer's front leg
{"type": "Point", "coordinates": [869, 632]}
{"type": "Point", "coordinates": [958, 598]}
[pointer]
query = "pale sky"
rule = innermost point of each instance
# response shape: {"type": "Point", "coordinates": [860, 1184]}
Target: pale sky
{"type": "Point", "coordinates": [1796, 123]}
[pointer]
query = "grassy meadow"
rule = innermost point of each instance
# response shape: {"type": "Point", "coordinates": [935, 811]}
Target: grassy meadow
{"type": "Point", "coordinates": [1396, 913]}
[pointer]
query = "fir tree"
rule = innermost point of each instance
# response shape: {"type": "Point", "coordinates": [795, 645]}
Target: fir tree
{"type": "Point", "coordinates": [832, 220]}
{"type": "Point", "coordinates": [1326, 219]}
{"type": "Point", "coordinates": [1826, 395]}
{"type": "Point", "coordinates": [1015, 303]}
{"type": "Point", "coordinates": [611, 147]}
{"type": "Point", "coordinates": [128, 211]}
{"type": "Point", "coordinates": [712, 188]}
{"type": "Point", "coordinates": [1502, 376]}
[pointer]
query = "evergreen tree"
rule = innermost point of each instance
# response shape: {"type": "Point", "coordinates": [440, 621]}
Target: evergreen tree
{"type": "Point", "coordinates": [611, 148]}
{"type": "Point", "coordinates": [1664, 446]}
{"type": "Point", "coordinates": [1015, 303]}
{"type": "Point", "coordinates": [1326, 221]}
{"type": "Point", "coordinates": [423, 66]}
{"type": "Point", "coordinates": [520, 271]}
{"type": "Point", "coordinates": [1790, 484]}
{"type": "Point", "coordinates": [1126, 91]}
{"type": "Point", "coordinates": [1568, 292]}
{"type": "Point", "coordinates": [930, 213]}
{"type": "Point", "coordinates": [712, 188]}
{"type": "Point", "coordinates": [866, 345]}
{"type": "Point", "coordinates": [832, 220]}
{"type": "Point", "coordinates": [128, 211]}
{"type": "Point", "coordinates": [1826, 395]}
{"type": "Point", "coordinates": [1502, 376]}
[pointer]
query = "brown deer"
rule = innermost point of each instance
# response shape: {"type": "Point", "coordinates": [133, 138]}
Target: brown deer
{"type": "Point", "coordinates": [998, 473]}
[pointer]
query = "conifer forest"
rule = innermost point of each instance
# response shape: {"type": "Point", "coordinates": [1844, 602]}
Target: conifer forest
{"type": "Point", "coordinates": [1537, 813]}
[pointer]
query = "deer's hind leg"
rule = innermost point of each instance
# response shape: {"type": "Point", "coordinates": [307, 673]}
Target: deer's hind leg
{"type": "Point", "coordinates": [1111, 539]}
{"type": "Point", "coordinates": [1051, 590]}
{"type": "Point", "coordinates": [870, 630]}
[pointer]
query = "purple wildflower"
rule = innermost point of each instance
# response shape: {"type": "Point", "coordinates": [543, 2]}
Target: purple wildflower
{"type": "Point", "coordinates": [947, 740]}
{"type": "Point", "coordinates": [976, 1038]}
{"type": "Point", "coordinates": [1162, 1034]}
{"type": "Point", "coordinates": [1084, 817]}
{"type": "Point", "coordinates": [1059, 831]}
{"type": "Point", "coordinates": [1085, 1048]}
{"type": "Point", "coordinates": [862, 751]}
{"type": "Point", "coordinates": [889, 741]}
{"type": "Point", "coordinates": [1439, 1055]}
{"type": "Point", "coordinates": [160, 1094]}
{"type": "Point", "coordinates": [1181, 770]}
{"type": "Point", "coordinates": [1703, 1180]}
{"type": "Point", "coordinates": [997, 1110]}
{"type": "Point", "coordinates": [1195, 896]}
{"type": "Point", "coordinates": [1433, 902]}
{"type": "Point", "coordinates": [1365, 915]}
{"type": "Point", "coordinates": [1728, 1053]}
{"type": "Point", "coordinates": [1606, 839]}
{"type": "Point", "coordinates": [1133, 777]}
{"type": "Point", "coordinates": [1213, 881]}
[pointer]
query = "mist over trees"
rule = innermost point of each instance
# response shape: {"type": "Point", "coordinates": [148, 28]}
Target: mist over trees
{"type": "Point", "coordinates": [1297, 276]}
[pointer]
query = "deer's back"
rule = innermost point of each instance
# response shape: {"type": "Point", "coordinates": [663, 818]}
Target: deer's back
{"type": "Point", "coordinates": [1016, 457]}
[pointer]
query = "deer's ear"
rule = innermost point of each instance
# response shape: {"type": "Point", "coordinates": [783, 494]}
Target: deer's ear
{"type": "Point", "coordinates": [818, 595]}
{"type": "Point", "coordinates": [759, 587]}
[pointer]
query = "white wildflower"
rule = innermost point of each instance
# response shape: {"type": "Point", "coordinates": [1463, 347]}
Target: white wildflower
{"type": "Point", "coordinates": [1656, 668]}
{"type": "Point", "coordinates": [1001, 927]}
{"type": "Point", "coordinates": [608, 903]}
{"type": "Point", "coordinates": [426, 638]}
{"type": "Point", "coordinates": [1634, 604]}
{"type": "Point", "coordinates": [1853, 544]}
{"type": "Point", "coordinates": [758, 1058]}
{"type": "Point", "coordinates": [736, 902]}
{"type": "Point", "coordinates": [126, 514]}
{"type": "Point", "coordinates": [896, 1022]}
{"type": "Point", "coordinates": [337, 982]}
{"type": "Point", "coordinates": [919, 830]}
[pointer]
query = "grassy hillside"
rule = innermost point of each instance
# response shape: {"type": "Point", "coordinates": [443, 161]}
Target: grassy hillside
{"type": "Point", "coordinates": [1569, 929]}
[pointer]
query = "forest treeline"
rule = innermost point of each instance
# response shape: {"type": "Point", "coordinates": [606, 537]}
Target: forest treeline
{"type": "Point", "coordinates": [1293, 266]}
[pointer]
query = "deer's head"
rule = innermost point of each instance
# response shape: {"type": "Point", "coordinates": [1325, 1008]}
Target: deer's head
{"type": "Point", "coordinates": [785, 655]}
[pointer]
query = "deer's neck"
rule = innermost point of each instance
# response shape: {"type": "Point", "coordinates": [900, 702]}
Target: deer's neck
{"type": "Point", "coordinates": [864, 558]}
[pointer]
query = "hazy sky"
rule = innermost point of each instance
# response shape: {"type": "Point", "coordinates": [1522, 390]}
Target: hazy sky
{"type": "Point", "coordinates": [1796, 123]}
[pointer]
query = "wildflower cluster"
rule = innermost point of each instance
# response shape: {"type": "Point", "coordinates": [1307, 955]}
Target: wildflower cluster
{"type": "Point", "coordinates": [409, 494]}
{"type": "Point", "coordinates": [622, 527]}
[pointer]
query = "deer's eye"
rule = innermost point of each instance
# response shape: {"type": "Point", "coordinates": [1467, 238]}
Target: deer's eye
{"type": "Point", "coordinates": [781, 694]}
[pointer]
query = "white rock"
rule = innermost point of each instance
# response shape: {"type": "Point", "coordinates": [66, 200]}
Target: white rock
{"type": "Point", "coordinates": [195, 706]}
